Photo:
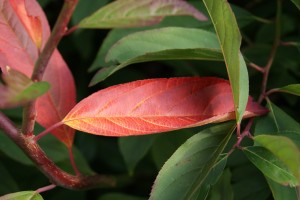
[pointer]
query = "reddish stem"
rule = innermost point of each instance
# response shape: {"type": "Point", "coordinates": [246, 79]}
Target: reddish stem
{"type": "Point", "coordinates": [73, 163]}
{"type": "Point", "coordinates": [58, 32]}
{"type": "Point", "coordinates": [47, 167]}
{"type": "Point", "coordinates": [47, 131]}
{"type": "Point", "coordinates": [46, 188]}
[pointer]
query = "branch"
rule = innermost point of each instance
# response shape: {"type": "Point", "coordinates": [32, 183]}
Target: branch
{"type": "Point", "coordinates": [47, 167]}
{"type": "Point", "coordinates": [58, 32]}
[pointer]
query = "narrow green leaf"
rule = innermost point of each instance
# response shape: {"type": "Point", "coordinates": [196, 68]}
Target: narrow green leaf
{"type": "Point", "coordinates": [285, 149]}
{"type": "Point", "coordinates": [270, 165]}
{"type": "Point", "coordinates": [297, 3]}
{"type": "Point", "coordinates": [277, 121]}
{"type": "Point", "coordinates": [133, 149]}
{"type": "Point", "coordinates": [230, 40]}
{"type": "Point", "coordinates": [291, 89]}
{"type": "Point", "coordinates": [24, 195]}
{"type": "Point", "coordinates": [194, 166]}
{"type": "Point", "coordinates": [158, 44]}
{"type": "Point", "coordinates": [281, 192]}
{"type": "Point", "coordinates": [131, 13]}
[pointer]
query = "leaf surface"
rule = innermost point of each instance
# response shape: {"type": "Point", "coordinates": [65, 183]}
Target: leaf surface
{"type": "Point", "coordinates": [131, 13]}
{"type": "Point", "coordinates": [230, 40]}
{"type": "Point", "coordinates": [291, 89]}
{"type": "Point", "coordinates": [19, 89]}
{"type": "Point", "coordinates": [156, 105]}
{"type": "Point", "coordinates": [158, 44]}
{"type": "Point", "coordinates": [194, 167]}
{"type": "Point", "coordinates": [284, 149]}
{"type": "Point", "coordinates": [24, 195]}
{"type": "Point", "coordinates": [270, 165]}
{"type": "Point", "coordinates": [19, 35]}
{"type": "Point", "coordinates": [282, 192]}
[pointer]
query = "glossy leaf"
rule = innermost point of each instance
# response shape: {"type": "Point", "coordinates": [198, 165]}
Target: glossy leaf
{"type": "Point", "coordinates": [270, 165]}
{"type": "Point", "coordinates": [230, 40]}
{"type": "Point", "coordinates": [194, 166]}
{"type": "Point", "coordinates": [130, 13]}
{"type": "Point", "coordinates": [24, 195]}
{"type": "Point", "coordinates": [19, 89]}
{"type": "Point", "coordinates": [18, 35]}
{"type": "Point", "coordinates": [158, 44]}
{"type": "Point", "coordinates": [282, 192]}
{"type": "Point", "coordinates": [283, 148]}
{"type": "Point", "coordinates": [156, 105]}
{"type": "Point", "coordinates": [133, 149]}
{"type": "Point", "coordinates": [291, 89]}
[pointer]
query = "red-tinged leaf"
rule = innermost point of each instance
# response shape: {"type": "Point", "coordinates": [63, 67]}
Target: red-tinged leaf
{"type": "Point", "coordinates": [31, 22]}
{"type": "Point", "coordinates": [19, 51]}
{"type": "Point", "coordinates": [156, 105]}
{"type": "Point", "coordinates": [19, 89]}
{"type": "Point", "coordinates": [132, 13]}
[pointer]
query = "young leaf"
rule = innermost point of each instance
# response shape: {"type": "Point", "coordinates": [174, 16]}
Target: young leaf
{"type": "Point", "coordinates": [158, 44]}
{"type": "Point", "coordinates": [230, 40]}
{"type": "Point", "coordinates": [194, 166]}
{"type": "Point", "coordinates": [156, 105]}
{"type": "Point", "coordinates": [19, 50]}
{"type": "Point", "coordinates": [19, 89]}
{"type": "Point", "coordinates": [285, 149]}
{"type": "Point", "coordinates": [131, 13]}
{"type": "Point", "coordinates": [24, 195]}
{"type": "Point", "coordinates": [291, 89]}
{"type": "Point", "coordinates": [270, 165]}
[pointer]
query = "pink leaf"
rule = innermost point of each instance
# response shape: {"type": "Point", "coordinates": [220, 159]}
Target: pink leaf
{"type": "Point", "coordinates": [156, 105]}
{"type": "Point", "coordinates": [20, 35]}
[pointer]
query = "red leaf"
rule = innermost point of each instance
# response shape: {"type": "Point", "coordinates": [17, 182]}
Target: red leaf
{"type": "Point", "coordinates": [156, 105]}
{"type": "Point", "coordinates": [20, 34]}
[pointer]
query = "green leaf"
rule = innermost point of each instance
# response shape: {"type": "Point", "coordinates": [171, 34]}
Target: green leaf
{"type": "Point", "coordinates": [230, 40]}
{"type": "Point", "coordinates": [297, 3]}
{"type": "Point", "coordinates": [119, 196]}
{"type": "Point", "coordinates": [281, 192]}
{"type": "Point", "coordinates": [131, 13]}
{"type": "Point", "coordinates": [277, 121]}
{"type": "Point", "coordinates": [270, 165]}
{"type": "Point", "coordinates": [133, 149]}
{"type": "Point", "coordinates": [158, 44]}
{"type": "Point", "coordinates": [194, 166]}
{"type": "Point", "coordinates": [19, 89]}
{"type": "Point", "coordinates": [291, 89]}
{"type": "Point", "coordinates": [24, 195]}
{"type": "Point", "coordinates": [283, 148]}
{"type": "Point", "coordinates": [222, 190]}
{"type": "Point", "coordinates": [84, 9]}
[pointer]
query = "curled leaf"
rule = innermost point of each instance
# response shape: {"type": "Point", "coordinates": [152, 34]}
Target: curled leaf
{"type": "Point", "coordinates": [131, 13]}
{"type": "Point", "coordinates": [19, 89]}
{"type": "Point", "coordinates": [156, 105]}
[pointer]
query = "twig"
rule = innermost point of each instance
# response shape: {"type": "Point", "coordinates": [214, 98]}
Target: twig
{"type": "Point", "coordinates": [47, 167]}
{"type": "Point", "coordinates": [58, 32]}
{"type": "Point", "coordinates": [46, 188]}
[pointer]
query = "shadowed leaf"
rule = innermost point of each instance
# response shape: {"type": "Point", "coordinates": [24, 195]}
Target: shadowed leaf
{"type": "Point", "coordinates": [131, 13]}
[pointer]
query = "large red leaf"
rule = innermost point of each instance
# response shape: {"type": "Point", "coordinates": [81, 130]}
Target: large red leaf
{"type": "Point", "coordinates": [156, 105]}
{"type": "Point", "coordinates": [23, 31]}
